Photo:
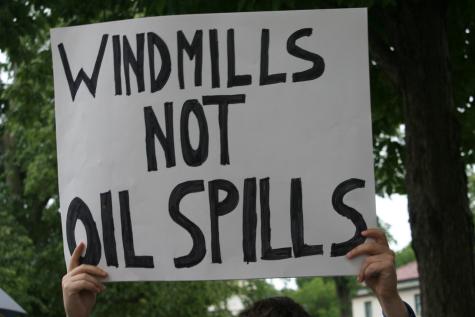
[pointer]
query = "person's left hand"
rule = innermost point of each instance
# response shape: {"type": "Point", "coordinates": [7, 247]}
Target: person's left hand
{"type": "Point", "coordinates": [81, 285]}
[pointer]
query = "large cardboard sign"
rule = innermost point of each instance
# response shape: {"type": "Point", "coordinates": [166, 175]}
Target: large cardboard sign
{"type": "Point", "coordinates": [215, 146]}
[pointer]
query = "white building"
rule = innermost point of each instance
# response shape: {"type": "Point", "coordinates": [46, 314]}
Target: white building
{"type": "Point", "coordinates": [365, 304]}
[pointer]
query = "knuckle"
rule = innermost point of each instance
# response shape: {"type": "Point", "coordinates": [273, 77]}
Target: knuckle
{"type": "Point", "coordinates": [66, 286]}
{"type": "Point", "coordinates": [367, 261]}
{"type": "Point", "coordinates": [65, 281]}
{"type": "Point", "coordinates": [372, 244]}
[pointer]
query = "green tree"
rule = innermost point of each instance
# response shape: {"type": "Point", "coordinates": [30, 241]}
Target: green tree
{"type": "Point", "coordinates": [405, 256]}
{"type": "Point", "coordinates": [165, 299]}
{"type": "Point", "coordinates": [15, 270]}
{"type": "Point", "coordinates": [317, 295]}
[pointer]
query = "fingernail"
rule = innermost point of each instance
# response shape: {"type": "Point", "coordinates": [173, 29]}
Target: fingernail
{"type": "Point", "coordinates": [348, 255]}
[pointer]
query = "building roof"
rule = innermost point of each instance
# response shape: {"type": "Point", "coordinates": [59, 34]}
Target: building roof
{"type": "Point", "coordinates": [407, 272]}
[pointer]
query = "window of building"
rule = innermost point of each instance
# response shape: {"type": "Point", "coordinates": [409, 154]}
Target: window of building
{"type": "Point", "coordinates": [368, 311]}
{"type": "Point", "coordinates": [417, 301]}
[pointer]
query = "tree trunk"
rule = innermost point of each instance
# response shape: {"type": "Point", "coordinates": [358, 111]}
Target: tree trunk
{"type": "Point", "coordinates": [343, 291]}
{"type": "Point", "coordinates": [439, 213]}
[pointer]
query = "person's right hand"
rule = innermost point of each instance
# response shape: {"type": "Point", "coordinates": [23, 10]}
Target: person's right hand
{"type": "Point", "coordinates": [378, 270]}
{"type": "Point", "coordinates": [81, 285]}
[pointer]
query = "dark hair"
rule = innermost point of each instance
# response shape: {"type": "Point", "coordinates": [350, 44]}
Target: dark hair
{"type": "Point", "coordinates": [275, 307]}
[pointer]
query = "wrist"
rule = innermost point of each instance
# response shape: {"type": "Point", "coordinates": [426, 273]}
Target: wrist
{"type": "Point", "coordinates": [393, 306]}
{"type": "Point", "coordinates": [387, 295]}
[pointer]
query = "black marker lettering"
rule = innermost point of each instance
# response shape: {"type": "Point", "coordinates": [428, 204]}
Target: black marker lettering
{"type": "Point", "coordinates": [117, 64]}
{"type": "Point", "coordinates": [194, 50]}
{"type": "Point", "coordinates": [131, 260]}
{"type": "Point", "coordinates": [198, 251]}
{"type": "Point", "coordinates": [157, 83]}
{"type": "Point", "coordinates": [220, 208]}
{"type": "Point", "coordinates": [249, 220]}
{"type": "Point", "coordinates": [91, 83]}
{"type": "Point", "coordinates": [152, 130]}
{"type": "Point", "coordinates": [78, 210]}
{"type": "Point", "coordinates": [108, 234]}
{"type": "Point", "coordinates": [296, 220]}
{"type": "Point", "coordinates": [135, 63]}
{"type": "Point", "coordinates": [267, 252]}
{"type": "Point", "coordinates": [233, 79]}
{"type": "Point", "coordinates": [224, 101]}
{"type": "Point", "coordinates": [193, 157]}
{"type": "Point", "coordinates": [318, 62]}
{"type": "Point", "coordinates": [214, 55]}
{"type": "Point", "coordinates": [340, 249]}
{"type": "Point", "coordinates": [265, 77]}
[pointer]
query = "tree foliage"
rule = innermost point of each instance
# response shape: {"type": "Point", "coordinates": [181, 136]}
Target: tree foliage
{"type": "Point", "coordinates": [318, 296]}
{"type": "Point", "coordinates": [405, 256]}
{"type": "Point", "coordinates": [15, 269]}
{"type": "Point", "coordinates": [471, 190]}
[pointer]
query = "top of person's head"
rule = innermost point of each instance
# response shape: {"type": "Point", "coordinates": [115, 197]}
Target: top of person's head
{"type": "Point", "coordinates": [275, 307]}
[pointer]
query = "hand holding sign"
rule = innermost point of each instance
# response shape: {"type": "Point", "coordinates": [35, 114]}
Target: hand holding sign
{"type": "Point", "coordinates": [378, 270]}
{"type": "Point", "coordinates": [81, 285]}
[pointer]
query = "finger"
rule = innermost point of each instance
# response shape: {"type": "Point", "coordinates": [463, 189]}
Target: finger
{"type": "Point", "coordinates": [373, 270]}
{"type": "Point", "coordinates": [377, 234]}
{"type": "Point", "coordinates": [74, 261]}
{"type": "Point", "coordinates": [90, 278]}
{"type": "Point", "coordinates": [369, 248]}
{"type": "Point", "coordinates": [371, 260]}
{"type": "Point", "coordinates": [77, 286]}
{"type": "Point", "coordinates": [90, 269]}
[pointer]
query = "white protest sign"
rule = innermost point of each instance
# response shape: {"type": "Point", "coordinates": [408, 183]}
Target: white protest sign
{"type": "Point", "coordinates": [215, 146]}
